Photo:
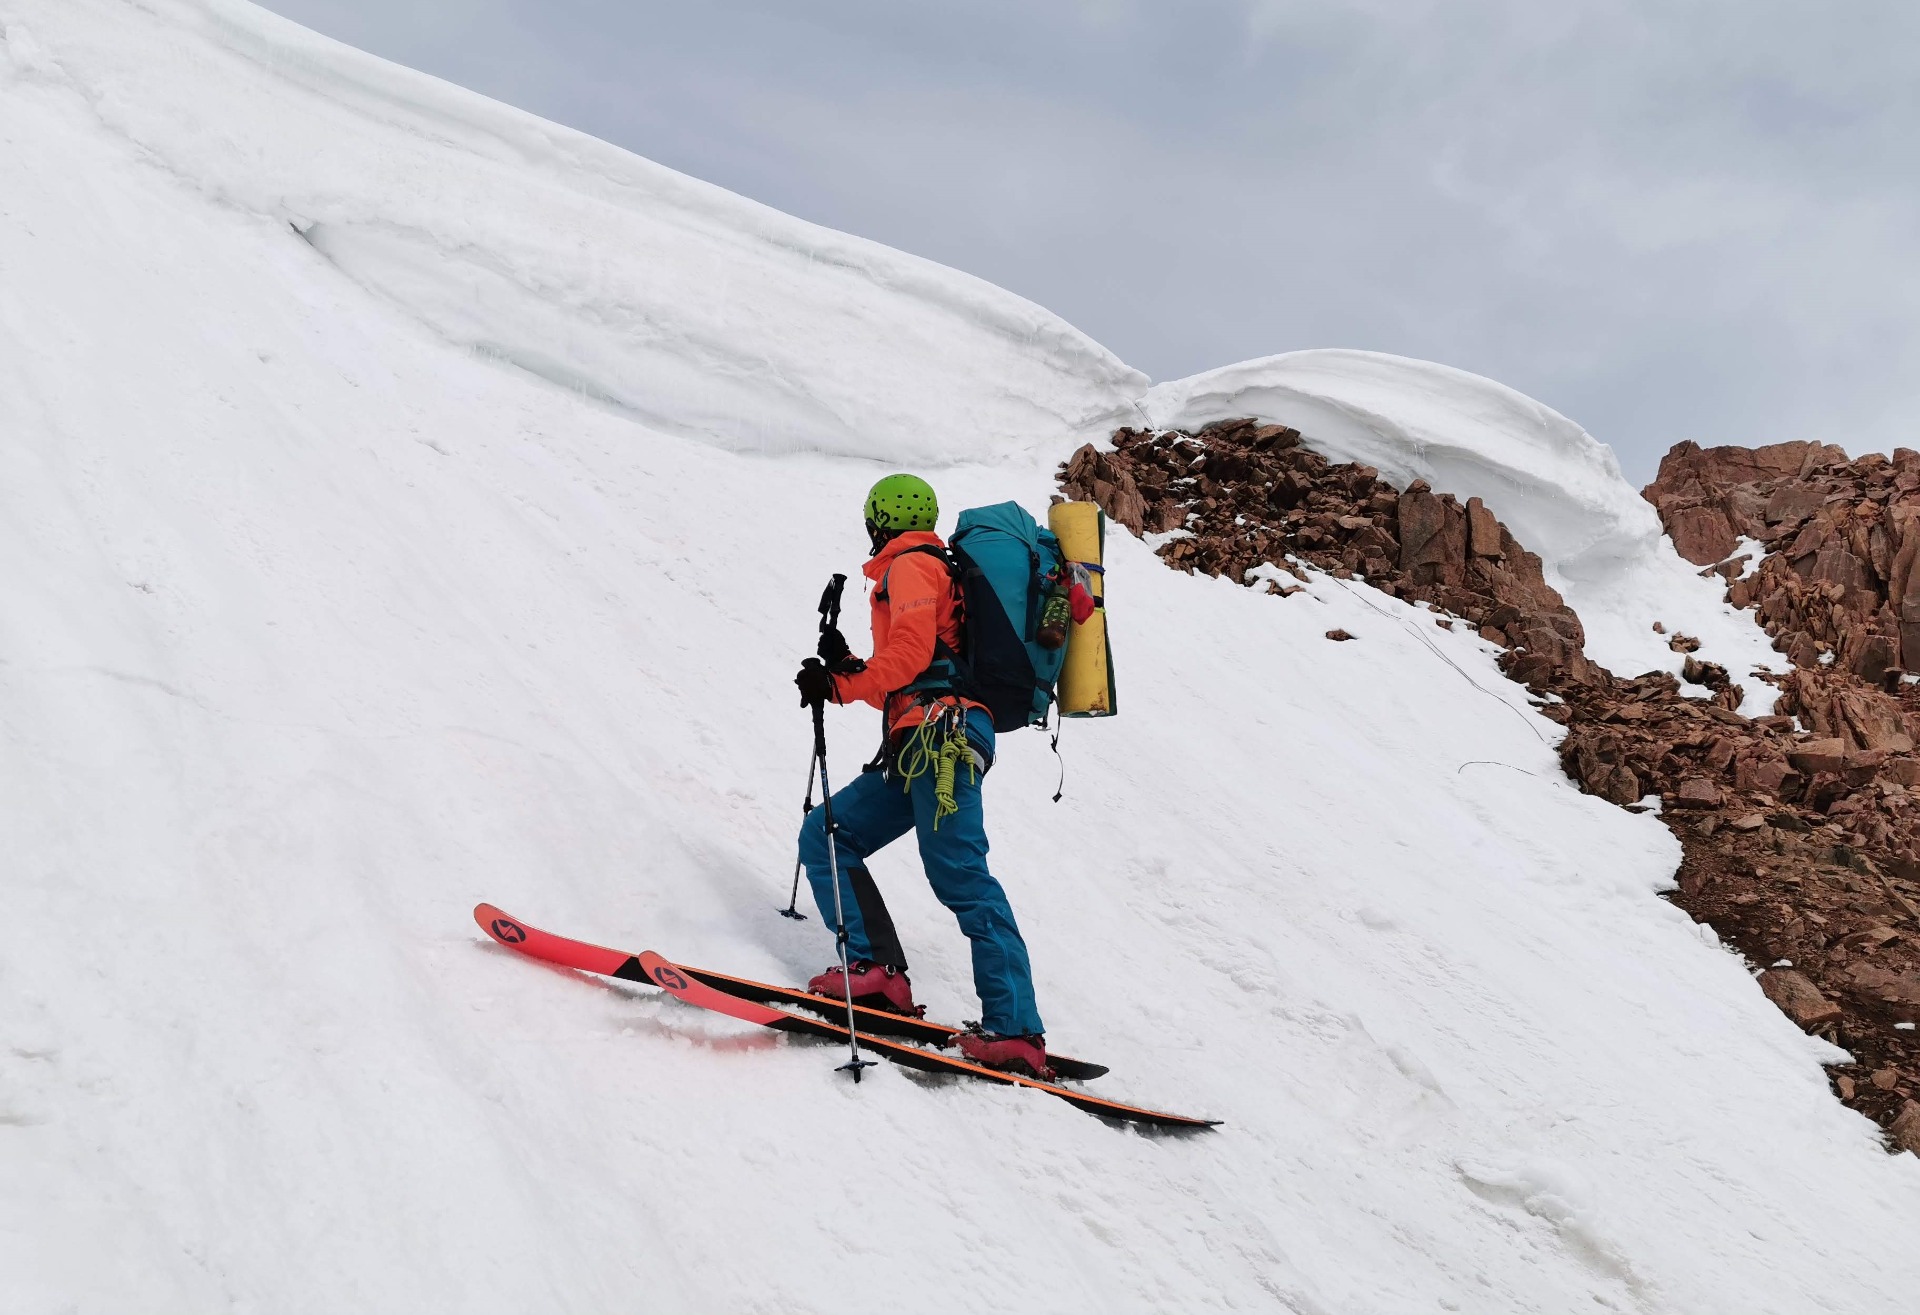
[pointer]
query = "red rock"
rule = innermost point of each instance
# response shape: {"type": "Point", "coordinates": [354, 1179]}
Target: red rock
{"type": "Point", "coordinates": [1812, 537]}
{"type": "Point", "coordinates": [1701, 534]}
{"type": "Point", "coordinates": [1432, 537]}
{"type": "Point", "coordinates": [1819, 755]}
{"type": "Point", "coordinates": [1904, 1131]}
{"type": "Point", "coordinates": [1484, 538]}
{"type": "Point", "coordinates": [1872, 657]}
{"type": "Point", "coordinates": [1835, 565]}
{"type": "Point", "coordinates": [1901, 990]}
{"type": "Point", "coordinates": [1793, 501]}
{"type": "Point", "coordinates": [1099, 478]}
{"type": "Point", "coordinates": [1901, 771]}
{"type": "Point", "coordinates": [1719, 754]}
{"type": "Point", "coordinates": [1795, 995]}
{"type": "Point", "coordinates": [1766, 775]}
{"type": "Point", "coordinates": [1697, 792]}
{"type": "Point", "coordinates": [1340, 635]}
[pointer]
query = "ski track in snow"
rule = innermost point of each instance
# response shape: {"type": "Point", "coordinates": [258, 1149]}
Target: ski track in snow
{"type": "Point", "coordinates": [321, 625]}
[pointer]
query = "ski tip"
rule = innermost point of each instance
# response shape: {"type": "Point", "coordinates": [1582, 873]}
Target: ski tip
{"type": "Point", "coordinates": [495, 923]}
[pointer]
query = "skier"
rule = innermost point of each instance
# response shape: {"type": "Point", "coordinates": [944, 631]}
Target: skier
{"type": "Point", "coordinates": [939, 744]}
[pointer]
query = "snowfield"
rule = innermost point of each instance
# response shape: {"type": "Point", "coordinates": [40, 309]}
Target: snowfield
{"type": "Point", "coordinates": [461, 546]}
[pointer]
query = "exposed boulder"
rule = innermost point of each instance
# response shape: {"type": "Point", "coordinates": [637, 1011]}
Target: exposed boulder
{"type": "Point", "coordinates": [1799, 999]}
{"type": "Point", "coordinates": [1904, 1131]}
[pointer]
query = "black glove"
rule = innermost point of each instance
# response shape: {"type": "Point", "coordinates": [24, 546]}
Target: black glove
{"type": "Point", "coordinates": [835, 653]}
{"type": "Point", "coordinates": [815, 683]}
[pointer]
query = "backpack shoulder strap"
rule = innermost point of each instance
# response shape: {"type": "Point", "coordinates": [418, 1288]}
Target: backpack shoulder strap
{"type": "Point", "coordinates": [945, 559]}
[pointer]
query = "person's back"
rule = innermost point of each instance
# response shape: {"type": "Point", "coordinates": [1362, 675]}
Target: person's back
{"type": "Point", "coordinates": [939, 746]}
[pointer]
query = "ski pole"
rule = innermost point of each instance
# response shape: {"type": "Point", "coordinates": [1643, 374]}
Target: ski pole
{"type": "Point", "coordinates": [854, 1063]}
{"type": "Point", "coordinates": [829, 619]}
{"type": "Point", "coordinates": [793, 900]}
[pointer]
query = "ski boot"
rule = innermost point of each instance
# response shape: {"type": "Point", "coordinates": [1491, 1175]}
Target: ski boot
{"type": "Point", "coordinates": [1025, 1055]}
{"type": "Point", "coordinates": [874, 987]}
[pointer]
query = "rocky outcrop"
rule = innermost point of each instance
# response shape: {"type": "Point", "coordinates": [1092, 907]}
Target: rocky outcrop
{"type": "Point", "coordinates": [1800, 832]}
{"type": "Point", "coordinates": [1247, 494]}
{"type": "Point", "coordinates": [1838, 539]}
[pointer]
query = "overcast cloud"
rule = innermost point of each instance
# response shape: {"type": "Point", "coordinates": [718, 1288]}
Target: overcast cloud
{"type": "Point", "coordinates": [1668, 220]}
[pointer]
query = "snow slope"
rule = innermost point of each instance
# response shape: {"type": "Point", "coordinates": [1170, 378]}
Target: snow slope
{"type": "Point", "coordinates": [1558, 490]}
{"type": "Point", "coordinates": [690, 307]}
{"type": "Point", "coordinates": [319, 625]}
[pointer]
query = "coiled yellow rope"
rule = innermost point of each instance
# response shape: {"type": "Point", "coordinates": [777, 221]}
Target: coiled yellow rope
{"type": "Point", "coordinates": [937, 745]}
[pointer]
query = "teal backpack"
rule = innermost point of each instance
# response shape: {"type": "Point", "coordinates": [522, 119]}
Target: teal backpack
{"type": "Point", "coordinates": [1004, 565]}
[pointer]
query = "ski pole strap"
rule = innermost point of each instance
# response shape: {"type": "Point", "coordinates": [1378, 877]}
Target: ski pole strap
{"type": "Point", "coordinates": [1059, 724]}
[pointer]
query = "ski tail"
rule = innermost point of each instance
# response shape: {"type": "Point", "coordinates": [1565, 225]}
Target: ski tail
{"type": "Point", "coordinates": [878, 1021]}
{"type": "Point", "coordinates": [677, 982]}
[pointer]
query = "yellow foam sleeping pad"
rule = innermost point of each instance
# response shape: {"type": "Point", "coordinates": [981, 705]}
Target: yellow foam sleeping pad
{"type": "Point", "coordinates": [1086, 680]}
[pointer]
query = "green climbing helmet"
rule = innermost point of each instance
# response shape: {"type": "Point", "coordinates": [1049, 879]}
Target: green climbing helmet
{"type": "Point", "coordinates": [902, 502]}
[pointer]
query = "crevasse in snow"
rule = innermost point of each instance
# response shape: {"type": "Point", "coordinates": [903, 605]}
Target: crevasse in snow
{"type": "Point", "coordinates": [318, 625]}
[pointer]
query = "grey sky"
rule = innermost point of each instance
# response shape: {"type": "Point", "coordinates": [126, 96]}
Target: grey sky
{"type": "Point", "coordinates": [1669, 220]}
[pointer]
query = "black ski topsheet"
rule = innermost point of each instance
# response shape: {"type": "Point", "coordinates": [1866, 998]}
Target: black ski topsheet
{"type": "Point", "coordinates": [684, 985]}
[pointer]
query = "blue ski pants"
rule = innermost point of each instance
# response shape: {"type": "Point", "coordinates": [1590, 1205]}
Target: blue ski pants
{"type": "Point", "coordinates": [872, 813]}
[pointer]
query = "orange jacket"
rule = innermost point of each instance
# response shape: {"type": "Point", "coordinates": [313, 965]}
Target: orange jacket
{"type": "Point", "coordinates": [918, 609]}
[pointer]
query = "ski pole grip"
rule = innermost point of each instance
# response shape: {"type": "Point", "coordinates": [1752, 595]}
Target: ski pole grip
{"type": "Point", "coordinates": [830, 602]}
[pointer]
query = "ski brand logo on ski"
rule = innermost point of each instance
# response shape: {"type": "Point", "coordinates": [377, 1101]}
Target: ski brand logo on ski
{"type": "Point", "coordinates": [670, 979]}
{"type": "Point", "coordinates": [510, 932]}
